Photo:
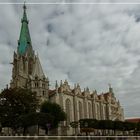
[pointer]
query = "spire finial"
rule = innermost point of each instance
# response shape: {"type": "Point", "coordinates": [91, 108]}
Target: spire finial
{"type": "Point", "coordinates": [110, 88]}
{"type": "Point", "coordinates": [24, 19]}
{"type": "Point", "coordinates": [24, 6]}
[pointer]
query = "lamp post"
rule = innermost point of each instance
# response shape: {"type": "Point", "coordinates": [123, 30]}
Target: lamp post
{"type": "Point", "coordinates": [48, 127]}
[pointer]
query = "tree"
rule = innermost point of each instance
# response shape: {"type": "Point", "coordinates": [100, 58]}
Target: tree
{"type": "Point", "coordinates": [35, 118]}
{"type": "Point", "coordinates": [27, 120]}
{"type": "Point", "coordinates": [88, 125]}
{"type": "Point", "coordinates": [137, 129]}
{"type": "Point", "coordinates": [15, 103]}
{"type": "Point", "coordinates": [118, 125]}
{"type": "Point", "coordinates": [109, 125]}
{"type": "Point", "coordinates": [105, 125]}
{"type": "Point", "coordinates": [54, 110]}
{"type": "Point", "coordinates": [129, 126]}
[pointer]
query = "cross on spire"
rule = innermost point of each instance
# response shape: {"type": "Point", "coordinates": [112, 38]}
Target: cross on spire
{"type": "Point", "coordinates": [24, 6]}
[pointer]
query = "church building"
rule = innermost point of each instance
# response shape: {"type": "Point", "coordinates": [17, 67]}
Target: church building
{"type": "Point", "coordinates": [27, 72]}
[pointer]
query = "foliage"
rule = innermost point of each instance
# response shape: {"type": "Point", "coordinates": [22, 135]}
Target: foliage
{"type": "Point", "coordinates": [118, 125]}
{"type": "Point", "coordinates": [35, 118]}
{"type": "Point", "coordinates": [74, 124]}
{"type": "Point", "coordinates": [54, 110]}
{"type": "Point", "coordinates": [14, 103]}
{"type": "Point", "coordinates": [88, 123]}
{"type": "Point", "coordinates": [129, 126]}
{"type": "Point", "coordinates": [108, 124]}
{"type": "Point", "coordinates": [138, 126]}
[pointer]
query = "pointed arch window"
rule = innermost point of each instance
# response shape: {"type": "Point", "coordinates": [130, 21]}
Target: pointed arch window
{"type": "Point", "coordinates": [36, 84]}
{"type": "Point", "coordinates": [98, 111]}
{"type": "Point", "coordinates": [43, 92]}
{"type": "Point", "coordinates": [105, 112]}
{"type": "Point", "coordinates": [80, 110]}
{"type": "Point", "coordinates": [30, 66]}
{"type": "Point", "coordinates": [43, 85]}
{"type": "Point", "coordinates": [89, 110]}
{"type": "Point", "coordinates": [68, 111]}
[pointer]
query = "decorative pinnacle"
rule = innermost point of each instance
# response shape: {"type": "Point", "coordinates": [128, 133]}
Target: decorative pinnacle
{"type": "Point", "coordinates": [56, 84]}
{"type": "Point", "coordinates": [109, 85]}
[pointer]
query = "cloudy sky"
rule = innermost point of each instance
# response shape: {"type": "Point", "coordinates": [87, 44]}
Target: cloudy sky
{"type": "Point", "coordinates": [90, 44]}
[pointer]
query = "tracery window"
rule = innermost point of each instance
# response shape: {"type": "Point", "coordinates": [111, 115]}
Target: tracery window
{"type": "Point", "coordinates": [36, 84]}
{"type": "Point", "coordinates": [98, 111]}
{"type": "Point", "coordinates": [68, 111]}
{"type": "Point", "coordinates": [80, 110]}
{"type": "Point", "coordinates": [89, 110]}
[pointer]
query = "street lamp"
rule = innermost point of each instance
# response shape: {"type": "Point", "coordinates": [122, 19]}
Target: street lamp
{"type": "Point", "coordinates": [48, 127]}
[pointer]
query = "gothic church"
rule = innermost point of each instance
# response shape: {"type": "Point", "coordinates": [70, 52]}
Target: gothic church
{"type": "Point", "coordinates": [28, 73]}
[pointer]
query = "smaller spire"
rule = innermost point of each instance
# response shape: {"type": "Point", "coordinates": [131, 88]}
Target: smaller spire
{"type": "Point", "coordinates": [47, 79]}
{"type": "Point", "coordinates": [87, 89]}
{"type": "Point", "coordinates": [95, 91]}
{"type": "Point", "coordinates": [56, 85]}
{"type": "Point", "coordinates": [38, 71]}
{"type": "Point", "coordinates": [66, 82]}
{"type": "Point", "coordinates": [74, 86]}
{"type": "Point", "coordinates": [78, 85]}
{"type": "Point", "coordinates": [118, 102]}
{"type": "Point", "coordinates": [61, 83]}
{"type": "Point", "coordinates": [84, 89]}
{"type": "Point", "coordinates": [7, 86]}
{"type": "Point", "coordinates": [110, 89]}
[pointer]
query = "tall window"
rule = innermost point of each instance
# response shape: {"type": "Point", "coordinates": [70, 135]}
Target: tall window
{"type": "Point", "coordinates": [36, 84]}
{"type": "Point", "coordinates": [89, 110]}
{"type": "Point", "coordinates": [101, 112]}
{"type": "Point", "coordinates": [98, 111]}
{"type": "Point", "coordinates": [94, 111]}
{"type": "Point", "coordinates": [105, 114]}
{"type": "Point", "coordinates": [68, 111]}
{"type": "Point", "coordinates": [30, 66]}
{"type": "Point", "coordinates": [43, 92]}
{"type": "Point", "coordinates": [24, 62]}
{"type": "Point", "coordinates": [80, 110]}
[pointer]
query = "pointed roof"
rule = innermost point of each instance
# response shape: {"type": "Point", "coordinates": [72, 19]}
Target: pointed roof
{"type": "Point", "coordinates": [24, 41]}
{"type": "Point", "coordinates": [38, 71]}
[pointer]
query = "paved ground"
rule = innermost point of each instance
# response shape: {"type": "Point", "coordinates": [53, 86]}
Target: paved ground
{"type": "Point", "coordinates": [68, 138]}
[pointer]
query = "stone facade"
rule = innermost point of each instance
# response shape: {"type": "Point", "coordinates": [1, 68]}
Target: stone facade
{"type": "Point", "coordinates": [85, 104]}
{"type": "Point", "coordinates": [28, 73]}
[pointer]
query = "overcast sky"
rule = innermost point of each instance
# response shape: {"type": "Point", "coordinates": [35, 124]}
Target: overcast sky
{"type": "Point", "coordinates": [90, 44]}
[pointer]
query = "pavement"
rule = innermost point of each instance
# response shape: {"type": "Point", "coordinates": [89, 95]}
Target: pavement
{"type": "Point", "coordinates": [66, 138]}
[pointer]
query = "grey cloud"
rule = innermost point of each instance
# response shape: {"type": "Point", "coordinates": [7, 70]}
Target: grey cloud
{"type": "Point", "coordinates": [92, 45]}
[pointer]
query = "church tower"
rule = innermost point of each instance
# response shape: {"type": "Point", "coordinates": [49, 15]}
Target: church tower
{"type": "Point", "coordinates": [27, 70]}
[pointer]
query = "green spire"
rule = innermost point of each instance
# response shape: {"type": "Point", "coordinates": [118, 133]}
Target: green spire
{"type": "Point", "coordinates": [24, 40]}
